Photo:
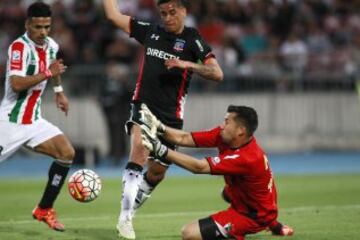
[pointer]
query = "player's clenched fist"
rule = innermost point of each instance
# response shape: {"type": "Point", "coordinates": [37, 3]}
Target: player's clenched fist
{"type": "Point", "coordinates": [57, 67]}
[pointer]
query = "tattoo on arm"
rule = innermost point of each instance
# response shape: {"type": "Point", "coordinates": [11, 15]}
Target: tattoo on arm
{"type": "Point", "coordinates": [206, 71]}
{"type": "Point", "coordinates": [209, 71]}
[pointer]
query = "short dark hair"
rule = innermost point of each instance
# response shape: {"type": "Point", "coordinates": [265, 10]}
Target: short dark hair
{"type": "Point", "coordinates": [39, 9]}
{"type": "Point", "coordinates": [182, 3]}
{"type": "Point", "coordinates": [247, 116]}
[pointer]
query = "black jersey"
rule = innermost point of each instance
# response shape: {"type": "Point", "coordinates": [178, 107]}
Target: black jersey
{"type": "Point", "coordinates": [163, 90]}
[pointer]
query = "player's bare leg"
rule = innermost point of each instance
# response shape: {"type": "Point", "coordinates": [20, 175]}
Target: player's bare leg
{"type": "Point", "coordinates": [191, 231]}
{"type": "Point", "coordinates": [155, 174]}
{"type": "Point", "coordinates": [132, 177]}
{"type": "Point", "coordinates": [61, 150]}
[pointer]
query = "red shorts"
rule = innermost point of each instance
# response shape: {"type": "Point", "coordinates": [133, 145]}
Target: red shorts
{"type": "Point", "coordinates": [231, 223]}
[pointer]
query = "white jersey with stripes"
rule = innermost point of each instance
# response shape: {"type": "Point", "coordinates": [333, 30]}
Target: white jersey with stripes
{"type": "Point", "coordinates": [26, 58]}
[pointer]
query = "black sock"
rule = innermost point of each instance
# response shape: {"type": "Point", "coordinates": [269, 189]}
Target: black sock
{"type": "Point", "coordinates": [57, 176]}
{"type": "Point", "coordinates": [134, 166]}
{"type": "Point", "coordinates": [276, 228]}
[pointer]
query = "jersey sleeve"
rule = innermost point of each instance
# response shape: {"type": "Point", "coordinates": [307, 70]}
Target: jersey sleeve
{"type": "Point", "coordinates": [18, 56]}
{"type": "Point", "coordinates": [228, 165]}
{"type": "Point", "coordinates": [54, 49]}
{"type": "Point", "coordinates": [139, 29]}
{"type": "Point", "coordinates": [54, 45]}
{"type": "Point", "coordinates": [201, 49]}
{"type": "Point", "coordinates": [208, 138]}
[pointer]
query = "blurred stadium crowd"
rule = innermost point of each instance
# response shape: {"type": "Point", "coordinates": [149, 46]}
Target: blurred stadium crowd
{"type": "Point", "coordinates": [261, 44]}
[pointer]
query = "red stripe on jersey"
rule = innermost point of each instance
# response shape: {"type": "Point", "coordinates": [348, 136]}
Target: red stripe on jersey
{"type": "Point", "coordinates": [16, 56]}
{"type": "Point", "coordinates": [209, 56]}
{"type": "Point", "coordinates": [139, 79]}
{"type": "Point", "coordinates": [181, 94]}
{"type": "Point", "coordinates": [42, 59]}
{"type": "Point", "coordinates": [30, 107]}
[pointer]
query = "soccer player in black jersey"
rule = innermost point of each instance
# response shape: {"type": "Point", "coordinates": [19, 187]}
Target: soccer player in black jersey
{"type": "Point", "coordinates": [172, 53]}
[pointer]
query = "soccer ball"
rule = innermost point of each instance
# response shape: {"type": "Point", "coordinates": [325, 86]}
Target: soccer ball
{"type": "Point", "coordinates": [84, 185]}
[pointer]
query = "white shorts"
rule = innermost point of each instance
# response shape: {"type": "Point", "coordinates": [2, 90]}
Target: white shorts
{"type": "Point", "coordinates": [13, 136]}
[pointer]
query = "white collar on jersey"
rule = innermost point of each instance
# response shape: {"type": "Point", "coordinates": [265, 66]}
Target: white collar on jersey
{"type": "Point", "coordinates": [34, 44]}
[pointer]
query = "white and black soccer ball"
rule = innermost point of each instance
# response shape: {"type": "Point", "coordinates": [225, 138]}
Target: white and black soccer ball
{"type": "Point", "coordinates": [84, 185]}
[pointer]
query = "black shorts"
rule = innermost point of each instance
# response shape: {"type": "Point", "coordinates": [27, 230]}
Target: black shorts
{"type": "Point", "coordinates": [209, 230]}
{"type": "Point", "coordinates": [134, 118]}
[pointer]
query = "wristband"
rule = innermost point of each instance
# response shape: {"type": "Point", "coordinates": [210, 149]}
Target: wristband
{"type": "Point", "coordinates": [48, 73]}
{"type": "Point", "coordinates": [58, 89]}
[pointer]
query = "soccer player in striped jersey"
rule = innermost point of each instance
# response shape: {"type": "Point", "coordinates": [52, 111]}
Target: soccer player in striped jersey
{"type": "Point", "coordinates": [249, 183]}
{"type": "Point", "coordinates": [31, 64]}
{"type": "Point", "coordinates": [172, 53]}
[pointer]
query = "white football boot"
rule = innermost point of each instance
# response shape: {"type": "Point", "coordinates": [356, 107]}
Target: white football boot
{"type": "Point", "coordinates": [125, 229]}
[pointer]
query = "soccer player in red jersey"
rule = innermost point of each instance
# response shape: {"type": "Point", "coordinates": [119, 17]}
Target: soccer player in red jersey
{"type": "Point", "coordinates": [249, 182]}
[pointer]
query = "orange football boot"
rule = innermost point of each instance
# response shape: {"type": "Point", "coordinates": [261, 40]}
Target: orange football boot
{"type": "Point", "coordinates": [48, 216]}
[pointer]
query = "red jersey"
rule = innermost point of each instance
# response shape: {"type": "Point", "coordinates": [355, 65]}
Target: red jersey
{"type": "Point", "coordinates": [249, 181]}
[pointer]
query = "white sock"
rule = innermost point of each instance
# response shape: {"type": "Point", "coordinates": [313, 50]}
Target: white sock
{"type": "Point", "coordinates": [131, 181]}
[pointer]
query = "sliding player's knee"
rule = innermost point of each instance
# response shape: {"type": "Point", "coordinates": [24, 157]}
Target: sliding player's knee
{"type": "Point", "coordinates": [188, 233]}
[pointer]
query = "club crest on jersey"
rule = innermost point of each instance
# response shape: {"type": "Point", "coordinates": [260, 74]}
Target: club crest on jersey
{"type": "Point", "coordinates": [154, 36]}
{"type": "Point", "coordinates": [16, 56]}
{"type": "Point", "coordinates": [215, 160]}
{"type": "Point", "coordinates": [179, 45]}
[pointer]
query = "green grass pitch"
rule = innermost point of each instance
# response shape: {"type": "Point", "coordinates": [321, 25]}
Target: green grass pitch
{"type": "Point", "coordinates": [319, 207]}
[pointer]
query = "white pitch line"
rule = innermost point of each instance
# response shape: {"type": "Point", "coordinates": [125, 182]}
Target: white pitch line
{"type": "Point", "coordinates": [192, 213]}
{"type": "Point", "coordinates": [313, 208]}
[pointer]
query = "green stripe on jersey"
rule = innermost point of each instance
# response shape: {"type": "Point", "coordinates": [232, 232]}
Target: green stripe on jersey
{"type": "Point", "coordinates": [15, 112]}
{"type": "Point", "coordinates": [24, 38]}
{"type": "Point", "coordinates": [31, 69]}
{"type": "Point", "coordinates": [52, 54]}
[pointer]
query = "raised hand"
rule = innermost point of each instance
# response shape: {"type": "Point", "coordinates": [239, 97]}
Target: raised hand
{"type": "Point", "coordinates": [152, 142]}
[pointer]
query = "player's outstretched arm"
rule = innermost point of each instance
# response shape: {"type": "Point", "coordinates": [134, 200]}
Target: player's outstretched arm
{"type": "Point", "coordinates": [153, 144]}
{"type": "Point", "coordinates": [179, 137]}
{"type": "Point", "coordinates": [117, 18]}
{"type": "Point", "coordinates": [19, 83]}
{"type": "Point", "coordinates": [209, 70]}
{"type": "Point", "coordinates": [188, 162]}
